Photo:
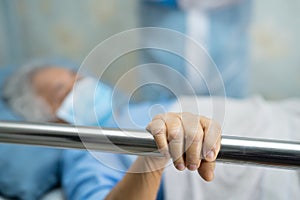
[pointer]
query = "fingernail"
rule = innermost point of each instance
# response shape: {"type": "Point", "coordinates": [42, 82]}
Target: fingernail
{"type": "Point", "coordinates": [180, 166]}
{"type": "Point", "coordinates": [192, 167]}
{"type": "Point", "coordinates": [210, 155]}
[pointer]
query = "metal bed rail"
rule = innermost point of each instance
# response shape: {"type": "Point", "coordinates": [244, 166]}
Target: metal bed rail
{"type": "Point", "coordinates": [239, 150]}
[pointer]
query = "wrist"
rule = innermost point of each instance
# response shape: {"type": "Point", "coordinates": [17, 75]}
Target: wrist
{"type": "Point", "coordinates": [148, 164]}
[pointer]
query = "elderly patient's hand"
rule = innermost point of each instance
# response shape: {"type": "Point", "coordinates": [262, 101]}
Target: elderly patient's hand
{"type": "Point", "coordinates": [192, 141]}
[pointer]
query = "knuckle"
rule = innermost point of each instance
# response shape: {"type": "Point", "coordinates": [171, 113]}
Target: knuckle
{"type": "Point", "coordinates": [186, 114]}
{"type": "Point", "coordinates": [173, 114]}
{"type": "Point", "coordinates": [173, 125]}
{"type": "Point", "coordinates": [205, 121]}
{"type": "Point", "coordinates": [174, 135]}
{"type": "Point", "coordinates": [191, 130]}
{"type": "Point", "coordinates": [195, 136]}
{"type": "Point", "coordinates": [159, 131]}
{"type": "Point", "coordinates": [159, 116]}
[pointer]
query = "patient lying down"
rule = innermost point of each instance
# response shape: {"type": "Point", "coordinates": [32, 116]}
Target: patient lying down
{"type": "Point", "coordinates": [191, 141]}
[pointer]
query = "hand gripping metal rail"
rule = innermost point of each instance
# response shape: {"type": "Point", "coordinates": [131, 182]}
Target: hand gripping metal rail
{"type": "Point", "coordinates": [276, 153]}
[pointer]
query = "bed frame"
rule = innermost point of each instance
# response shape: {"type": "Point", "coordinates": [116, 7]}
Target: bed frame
{"type": "Point", "coordinates": [239, 150]}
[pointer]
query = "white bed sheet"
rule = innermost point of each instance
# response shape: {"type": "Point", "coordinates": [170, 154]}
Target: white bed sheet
{"type": "Point", "coordinates": [252, 118]}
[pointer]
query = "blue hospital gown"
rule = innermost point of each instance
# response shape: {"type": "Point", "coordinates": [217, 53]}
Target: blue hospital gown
{"type": "Point", "coordinates": [84, 177]}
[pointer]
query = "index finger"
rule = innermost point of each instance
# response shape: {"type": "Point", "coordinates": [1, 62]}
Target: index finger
{"type": "Point", "coordinates": [158, 129]}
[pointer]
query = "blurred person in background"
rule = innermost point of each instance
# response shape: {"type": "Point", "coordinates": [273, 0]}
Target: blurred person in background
{"type": "Point", "coordinates": [220, 26]}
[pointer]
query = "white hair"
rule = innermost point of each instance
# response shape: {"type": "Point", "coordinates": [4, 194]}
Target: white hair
{"type": "Point", "coordinates": [19, 93]}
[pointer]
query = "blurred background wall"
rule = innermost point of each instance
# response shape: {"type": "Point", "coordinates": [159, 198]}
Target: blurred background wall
{"type": "Point", "coordinates": [31, 29]}
{"type": "Point", "coordinates": [55, 29]}
{"type": "Point", "coordinates": [275, 48]}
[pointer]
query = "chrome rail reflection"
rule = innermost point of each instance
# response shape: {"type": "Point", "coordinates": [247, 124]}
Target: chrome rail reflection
{"type": "Point", "coordinates": [276, 153]}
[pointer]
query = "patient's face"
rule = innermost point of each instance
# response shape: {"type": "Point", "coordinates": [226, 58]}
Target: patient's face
{"type": "Point", "coordinates": [53, 84]}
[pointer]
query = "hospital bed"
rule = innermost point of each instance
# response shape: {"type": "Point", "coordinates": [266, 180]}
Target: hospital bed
{"type": "Point", "coordinates": [234, 149]}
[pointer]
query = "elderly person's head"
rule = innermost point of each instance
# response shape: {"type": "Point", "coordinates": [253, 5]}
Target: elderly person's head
{"type": "Point", "coordinates": [37, 91]}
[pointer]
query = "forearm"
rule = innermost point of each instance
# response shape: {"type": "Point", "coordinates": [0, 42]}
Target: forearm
{"type": "Point", "coordinates": [141, 181]}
